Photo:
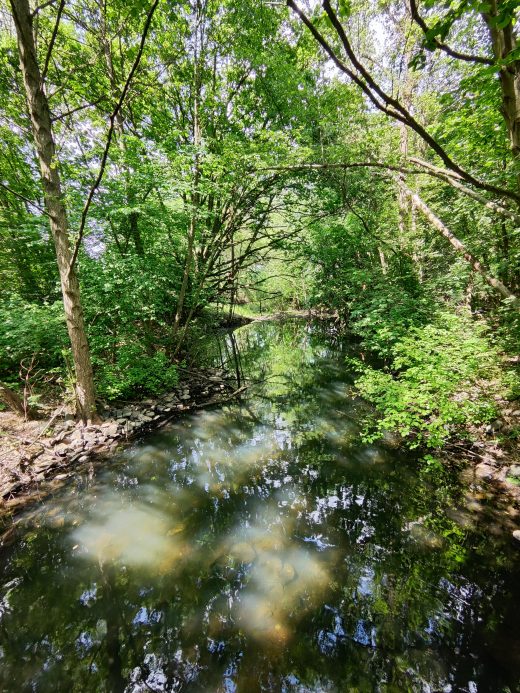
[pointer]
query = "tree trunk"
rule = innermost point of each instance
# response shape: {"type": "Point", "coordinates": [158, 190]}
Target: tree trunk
{"type": "Point", "coordinates": [132, 222]}
{"type": "Point", "coordinates": [460, 247]}
{"type": "Point", "coordinates": [504, 42]}
{"type": "Point", "coordinates": [402, 199]}
{"type": "Point", "coordinates": [195, 197]}
{"type": "Point", "coordinates": [382, 260]}
{"type": "Point", "coordinates": [43, 138]}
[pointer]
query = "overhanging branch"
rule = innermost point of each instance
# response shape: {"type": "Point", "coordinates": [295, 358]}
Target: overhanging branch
{"type": "Point", "coordinates": [383, 101]}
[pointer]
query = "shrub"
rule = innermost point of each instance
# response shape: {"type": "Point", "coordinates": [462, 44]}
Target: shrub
{"type": "Point", "coordinates": [442, 376]}
{"type": "Point", "coordinates": [135, 373]}
{"type": "Point", "coordinates": [28, 330]}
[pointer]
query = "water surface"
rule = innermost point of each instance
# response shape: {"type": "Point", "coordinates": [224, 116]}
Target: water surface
{"type": "Point", "coordinates": [262, 546]}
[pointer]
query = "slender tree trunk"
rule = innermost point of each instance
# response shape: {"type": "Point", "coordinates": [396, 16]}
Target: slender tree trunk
{"type": "Point", "coordinates": [232, 290]}
{"type": "Point", "coordinates": [402, 199]}
{"type": "Point", "coordinates": [504, 42]}
{"type": "Point", "coordinates": [382, 260]}
{"type": "Point", "coordinates": [406, 81]}
{"type": "Point", "coordinates": [460, 247]}
{"type": "Point", "coordinates": [195, 197]}
{"type": "Point", "coordinates": [132, 221]}
{"type": "Point", "coordinates": [43, 138]}
{"type": "Point", "coordinates": [418, 253]}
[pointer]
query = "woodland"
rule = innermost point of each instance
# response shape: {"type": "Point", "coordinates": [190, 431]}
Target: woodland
{"type": "Point", "coordinates": [166, 166]}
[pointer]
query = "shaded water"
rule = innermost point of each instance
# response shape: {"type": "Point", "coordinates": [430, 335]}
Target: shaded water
{"type": "Point", "coordinates": [263, 546]}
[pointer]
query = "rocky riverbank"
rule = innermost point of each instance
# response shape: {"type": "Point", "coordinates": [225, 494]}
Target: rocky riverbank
{"type": "Point", "coordinates": [494, 454]}
{"type": "Point", "coordinates": [41, 455]}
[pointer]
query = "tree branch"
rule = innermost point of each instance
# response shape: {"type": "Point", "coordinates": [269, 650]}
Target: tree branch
{"type": "Point", "coordinates": [110, 134]}
{"type": "Point", "coordinates": [51, 43]}
{"type": "Point", "coordinates": [460, 247]}
{"type": "Point", "coordinates": [25, 199]}
{"type": "Point", "coordinates": [445, 176]}
{"type": "Point", "coordinates": [61, 116]}
{"type": "Point", "coordinates": [356, 164]}
{"type": "Point", "coordinates": [442, 46]}
{"type": "Point", "coordinates": [383, 101]}
{"type": "Point", "coordinates": [39, 8]}
{"type": "Point", "coordinates": [453, 180]}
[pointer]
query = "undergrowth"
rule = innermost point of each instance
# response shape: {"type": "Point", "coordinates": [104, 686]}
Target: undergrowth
{"type": "Point", "coordinates": [440, 379]}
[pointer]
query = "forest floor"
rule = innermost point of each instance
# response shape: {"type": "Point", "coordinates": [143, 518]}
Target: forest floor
{"type": "Point", "coordinates": [491, 459]}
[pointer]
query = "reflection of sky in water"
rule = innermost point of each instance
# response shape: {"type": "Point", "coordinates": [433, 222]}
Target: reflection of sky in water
{"type": "Point", "coordinates": [133, 535]}
{"type": "Point", "coordinates": [261, 544]}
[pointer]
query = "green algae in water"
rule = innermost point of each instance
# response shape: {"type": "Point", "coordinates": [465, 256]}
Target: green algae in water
{"type": "Point", "coordinates": [262, 546]}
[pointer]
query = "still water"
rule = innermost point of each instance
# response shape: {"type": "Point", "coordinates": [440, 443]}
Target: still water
{"type": "Point", "coordinates": [262, 546]}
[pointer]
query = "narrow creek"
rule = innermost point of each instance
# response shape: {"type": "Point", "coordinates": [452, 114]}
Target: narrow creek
{"type": "Point", "coordinates": [261, 546]}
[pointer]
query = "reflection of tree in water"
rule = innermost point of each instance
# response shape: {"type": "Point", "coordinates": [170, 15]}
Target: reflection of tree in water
{"type": "Point", "coordinates": [259, 546]}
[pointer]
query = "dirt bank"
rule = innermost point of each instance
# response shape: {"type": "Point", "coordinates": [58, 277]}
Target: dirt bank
{"type": "Point", "coordinates": [38, 456]}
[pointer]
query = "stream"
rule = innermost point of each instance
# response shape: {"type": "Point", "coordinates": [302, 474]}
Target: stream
{"type": "Point", "coordinates": [262, 546]}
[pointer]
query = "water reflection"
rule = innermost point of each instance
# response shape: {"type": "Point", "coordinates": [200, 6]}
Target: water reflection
{"type": "Point", "coordinates": [135, 535]}
{"type": "Point", "coordinates": [262, 546]}
{"type": "Point", "coordinates": [284, 581]}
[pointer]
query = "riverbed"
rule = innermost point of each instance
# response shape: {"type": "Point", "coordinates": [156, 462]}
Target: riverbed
{"type": "Point", "coordinates": [263, 546]}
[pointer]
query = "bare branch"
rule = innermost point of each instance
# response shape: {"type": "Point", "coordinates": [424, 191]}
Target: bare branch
{"type": "Point", "coordinates": [25, 199]}
{"type": "Point", "coordinates": [452, 179]}
{"type": "Point", "coordinates": [356, 164]}
{"type": "Point", "coordinates": [383, 101]}
{"type": "Point", "coordinates": [61, 116]}
{"type": "Point", "coordinates": [444, 175]}
{"type": "Point", "coordinates": [42, 7]}
{"type": "Point", "coordinates": [51, 42]}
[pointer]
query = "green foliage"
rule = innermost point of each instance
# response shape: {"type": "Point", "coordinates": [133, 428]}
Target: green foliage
{"type": "Point", "coordinates": [129, 303]}
{"type": "Point", "coordinates": [386, 314]}
{"type": "Point", "coordinates": [265, 229]}
{"type": "Point", "coordinates": [135, 373]}
{"type": "Point", "coordinates": [28, 330]}
{"type": "Point", "coordinates": [441, 379]}
{"type": "Point", "coordinates": [130, 294]}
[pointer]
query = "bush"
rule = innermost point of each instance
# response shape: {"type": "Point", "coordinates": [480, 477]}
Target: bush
{"type": "Point", "coordinates": [28, 330]}
{"type": "Point", "coordinates": [386, 314]}
{"type": "Point", "coordinates": [135, 373]}
{"type": "Point", "coordinates": [442, 376]}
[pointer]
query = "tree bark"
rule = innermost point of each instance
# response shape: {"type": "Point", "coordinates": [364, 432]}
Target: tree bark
{"type": "Point", "coordinates": [460, 247]}
{"type": "Point", "coordinates": [194, 197]}
{"type": "Point", "coordinates": [45, 148]}
{"type": "Point", "coordinates": [504, 42]}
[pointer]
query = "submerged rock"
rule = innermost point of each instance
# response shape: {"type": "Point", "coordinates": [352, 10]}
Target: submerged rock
{"type": "Point", "coordinates": [243, 552]}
